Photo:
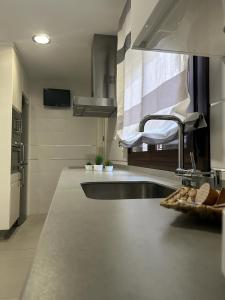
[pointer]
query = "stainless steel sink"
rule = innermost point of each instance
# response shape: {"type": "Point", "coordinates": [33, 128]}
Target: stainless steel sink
{"type": "Point", "coordinates": [125, 190]}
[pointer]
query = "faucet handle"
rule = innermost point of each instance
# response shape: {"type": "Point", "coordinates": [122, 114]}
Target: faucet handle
{"type": "Point", "coordinates": [182, 172]}
{"type": "Point", "coordinates": [193, 161]}
{"type": "Point", "coordinates": [218, 178]}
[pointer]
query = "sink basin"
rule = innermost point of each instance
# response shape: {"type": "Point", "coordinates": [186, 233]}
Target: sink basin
{"type": "Point", "coordinates": [125, 190]}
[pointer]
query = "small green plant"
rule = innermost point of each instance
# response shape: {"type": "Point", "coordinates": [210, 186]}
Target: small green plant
{"type": "Point", "coordinates": [98, 160]}
{"type": "Point", "coordinates": [108, 163]}
{"type": "Point", "coordinates": [88, 163]}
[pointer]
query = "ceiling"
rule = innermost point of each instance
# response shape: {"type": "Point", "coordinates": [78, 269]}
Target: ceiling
{"type": "Point", "coordinates": [70, 24]}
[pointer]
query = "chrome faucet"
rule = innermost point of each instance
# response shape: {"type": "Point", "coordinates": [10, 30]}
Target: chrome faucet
{"type": "Point", "coordinates": [180, 134]}
{"type": "Point", "coordinates": [192, 176]}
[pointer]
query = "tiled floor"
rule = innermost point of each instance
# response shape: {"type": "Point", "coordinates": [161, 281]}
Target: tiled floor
{"type": "Point", "coordinates": [16, 256]}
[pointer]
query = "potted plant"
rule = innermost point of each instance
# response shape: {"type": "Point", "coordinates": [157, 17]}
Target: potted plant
{"type": "Point", "coordinates": [108, 166]}
{"type": "Point", "coordinates": [88, 166]}
{"type": "Point", "coordinates": [98, 163]}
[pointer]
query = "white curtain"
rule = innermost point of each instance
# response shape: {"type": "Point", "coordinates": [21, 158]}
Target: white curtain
{"type": "Point", "coordinates": [147, 83]}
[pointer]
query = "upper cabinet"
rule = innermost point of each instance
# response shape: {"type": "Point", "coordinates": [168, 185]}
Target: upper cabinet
{"type": "Point", "coordinates": [140, 12]}
{"type": "Point", "coordinates": [195, 27]}
{"type": "Point", "coordinates": [17, 82]}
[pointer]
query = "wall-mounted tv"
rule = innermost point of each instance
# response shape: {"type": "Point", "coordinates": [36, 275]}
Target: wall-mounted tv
{"type": "Point", "coordinates": [56, 97]}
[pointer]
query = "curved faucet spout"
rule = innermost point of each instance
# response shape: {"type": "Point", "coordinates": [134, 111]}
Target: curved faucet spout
{"type": "Point", "coordinates": [159, 117]}
{"type": "Point", "coordinates": [180, 133]}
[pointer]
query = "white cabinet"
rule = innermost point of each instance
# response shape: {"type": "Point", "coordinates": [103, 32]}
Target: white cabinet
{"type": "Point", "coordinates": [194, 27]}
{"type": "Point", "coordinates": [17, 82]}
{"type": "Point", "coordinates": [140, 12]}
{"type": "Point", "coordinates": [14, 198]}
{"type": "Point", "coordinates": [12, 84]}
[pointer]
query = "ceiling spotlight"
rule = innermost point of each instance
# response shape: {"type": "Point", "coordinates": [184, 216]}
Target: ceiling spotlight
{"type": "Point", "coordinates": [41, 39]}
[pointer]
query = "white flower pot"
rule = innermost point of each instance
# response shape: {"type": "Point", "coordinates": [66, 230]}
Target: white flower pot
{"type": "Point", "coordinates": [98, 167]}
{"type": "Point", "coordinates": [88, 167]}
{"type": "Point", "coordinates": [108, 168]}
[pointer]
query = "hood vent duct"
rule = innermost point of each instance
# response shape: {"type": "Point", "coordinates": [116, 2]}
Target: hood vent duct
{"type": "Point", "coordinates": [103, 100]}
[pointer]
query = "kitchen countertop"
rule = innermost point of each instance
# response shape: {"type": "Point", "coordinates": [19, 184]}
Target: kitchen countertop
{"type": "Point", "coordinates": [122, 249]}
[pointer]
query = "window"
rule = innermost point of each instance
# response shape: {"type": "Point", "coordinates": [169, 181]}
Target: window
{"type": "Point", "coordinates": [153, 83]}
{"type": "Point", "coordinates": [197, 142]}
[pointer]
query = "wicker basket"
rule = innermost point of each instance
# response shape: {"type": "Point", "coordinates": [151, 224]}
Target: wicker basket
{"type": "Point", "coordinates": [214, 211]}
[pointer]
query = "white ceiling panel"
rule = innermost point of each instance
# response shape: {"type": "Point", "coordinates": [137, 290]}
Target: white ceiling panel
{"type": "Point", "coordinates": [70, 24]}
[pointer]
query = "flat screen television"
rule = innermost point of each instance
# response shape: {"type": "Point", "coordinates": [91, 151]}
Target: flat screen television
{"type": "Point", "coordinates": [56, 97]}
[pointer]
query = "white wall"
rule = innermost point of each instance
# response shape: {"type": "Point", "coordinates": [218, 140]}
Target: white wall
{"type": "Point", "coordinates": [113, 152]}
{"type": "Point", "coordinates": [57, 139]}
{"type": "Point", "coordinates": [217, 93]}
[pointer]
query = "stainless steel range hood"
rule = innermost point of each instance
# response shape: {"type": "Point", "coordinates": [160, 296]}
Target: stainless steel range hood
{"type": "Point", "coordinates": [94, 107]}
{"type": "Point", "coordinates": [103, 100]}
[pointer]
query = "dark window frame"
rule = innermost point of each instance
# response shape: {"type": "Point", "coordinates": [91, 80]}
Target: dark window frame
{"type": "Point", "coordinates": [199, 141]}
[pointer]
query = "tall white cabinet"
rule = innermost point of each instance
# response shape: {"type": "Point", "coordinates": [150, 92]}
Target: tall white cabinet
{"type": "Point", "coordinates": [13, 83]}
{"type": "Point", "coordinates": [17, 82]}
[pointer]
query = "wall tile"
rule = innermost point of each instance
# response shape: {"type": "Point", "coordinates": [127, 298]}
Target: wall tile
{"type": "Point", "coordinates": [56, 140]}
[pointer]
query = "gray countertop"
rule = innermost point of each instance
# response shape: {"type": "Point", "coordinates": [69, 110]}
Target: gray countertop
{"type": "Point", "coordinates": [122, 249]}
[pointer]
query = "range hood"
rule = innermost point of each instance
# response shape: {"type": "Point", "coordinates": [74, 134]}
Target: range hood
{"type": "Point", "coordinates": [102, 103]}
{"type": "Point", "coordinates": [195, 27]}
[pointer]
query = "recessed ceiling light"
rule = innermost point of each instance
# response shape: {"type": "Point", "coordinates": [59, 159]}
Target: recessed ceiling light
{"type": "Point", "coordinates": [41, 39]}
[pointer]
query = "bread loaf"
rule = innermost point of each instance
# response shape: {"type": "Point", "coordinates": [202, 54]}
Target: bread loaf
{"type": "Point", "coordinates": [206, 195]}
{"type": "Point", "coordinates": [221, 198]}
